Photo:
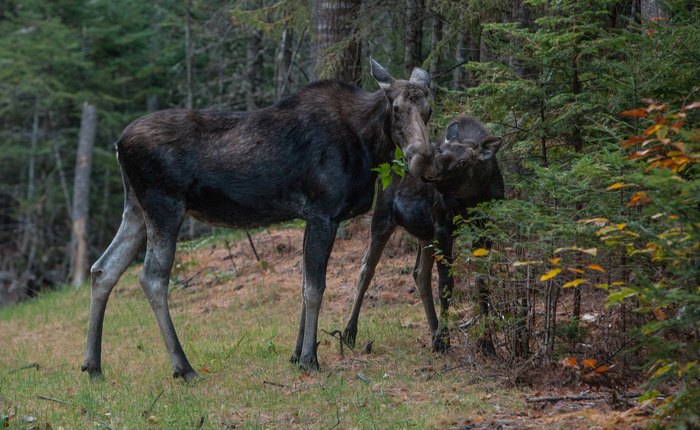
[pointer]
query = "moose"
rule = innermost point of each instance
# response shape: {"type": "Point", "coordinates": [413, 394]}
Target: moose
{"type": "Point", "coordinates": [309, 156]}
{"type": "Point", "coordinates": [466, 174]}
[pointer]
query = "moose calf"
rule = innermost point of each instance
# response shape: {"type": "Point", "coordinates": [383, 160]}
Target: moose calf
{"type": "Point", "coordinates": [467, 174]}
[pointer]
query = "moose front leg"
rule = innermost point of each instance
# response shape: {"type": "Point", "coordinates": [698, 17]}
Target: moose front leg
{"type": "Point", "coordinates": [318, 244]}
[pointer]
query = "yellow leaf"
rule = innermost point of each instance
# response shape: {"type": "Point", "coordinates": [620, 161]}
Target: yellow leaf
{"type": "Point", "coordinates": [589, 362]}
{"type": "Point", "coordinates": [480, 252]}
{"type": "Point", "coordinates": [573, 270]}
{"type": "Point", "coordinates": [616, 186]}
{"type": "Point", "coordinates": [596, 267]}
{"type": "Point", "coordinates": [555, 261]}
{"type": "Point", "coordinates": [575, 283]}
{"type": "Point", "coordinates": [526, 263]}
{"type": "Point", "coordinates": [590, 251]}
{"type": "Point", "coordinates": [593, 220]}
{"type": "Point", "coordinates": [549, 275]}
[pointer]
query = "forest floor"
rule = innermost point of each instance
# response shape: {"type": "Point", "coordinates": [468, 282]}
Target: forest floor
{"type": "Point", "coordinates": [237, 319]}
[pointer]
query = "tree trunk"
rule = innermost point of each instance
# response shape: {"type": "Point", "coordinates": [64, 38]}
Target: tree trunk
{"type": "Point", "coordinates": [413, 41]}
{"type": "Point", "coordinates": [253, 70]}
{"type": "Point", "coordinates": [435, 38]}
{"type": "Point", "coordinates": [335, 46]}
{"type": "Point", "coordinates": [31, 177]}
{"type": "Point", "coordinates": [283, 59]}
{"type": "Point", "coordinates": [81, 193]}
{"type": "Point", "coordinates": [189, 103]}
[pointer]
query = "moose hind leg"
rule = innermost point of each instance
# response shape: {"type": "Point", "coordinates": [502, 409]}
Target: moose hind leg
{"type": "Point", "coordinates": [162, 231]}
{"type": "Point", "coordinates": [105, 274]}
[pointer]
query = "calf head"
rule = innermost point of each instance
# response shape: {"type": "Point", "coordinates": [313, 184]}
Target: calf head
{"type": "Point", "coordinates": [466, 145]}
{"type": "Point", "coordinates": [410, 114]}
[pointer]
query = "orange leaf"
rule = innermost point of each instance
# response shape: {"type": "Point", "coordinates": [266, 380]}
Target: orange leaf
{"type": "Point", "coordinates": [555, 261]}
{"type": "Point", "coordinates": [635, 113]}
{"type": "Point", "coordinates": [569, 362]}
{"type": "Point", "coordinates": [639, 198]}
{"type": "Point", "coordinates": [572, 270]}
{"type": "Point", "coordinates": [677, 125]}
{"type": "Point", "coordinates": [602, 369]}
{"type": "Point", "coordinates": [632, 141]}
{"type": "Point", "coordinates": [615, 186]}
{"type": "Point", "coordinates": [204, 370]}
{"type": "Point", "coordinates": [652, 129]}
{"type": "Point", "coordinates": [589, 362]}
{"type": "Point", "coordinates": [549, 275]}
{"type": "Point", "coordinates": [596, 267]}
{"type": "Point", "coordinates": [659, 314]}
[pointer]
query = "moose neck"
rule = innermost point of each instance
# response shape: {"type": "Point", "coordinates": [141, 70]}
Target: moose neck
{"type": "Point", "coordinates": [371, 116]}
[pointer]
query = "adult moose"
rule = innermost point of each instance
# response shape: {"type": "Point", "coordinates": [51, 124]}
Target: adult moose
{"type": "Point", "coordinates": [466, 174]}
{"type": "Point", "coordinates": [309, 156]}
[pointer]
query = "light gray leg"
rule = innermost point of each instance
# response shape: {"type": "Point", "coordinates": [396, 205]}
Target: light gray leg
{"type": "Point", "coordinates": [423, 276]}
{"type": "Point", "coordinates": [160, 253]}
{"type": "Point", "coordinates": [105, 275]}
{"type": "Point", "coordinates": [320, 235]}
{"type": "Point", "coordinates": [369, 264]}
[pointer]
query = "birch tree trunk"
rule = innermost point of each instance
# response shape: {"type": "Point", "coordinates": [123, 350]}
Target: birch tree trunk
{"type": "Point", "coordinates": [81, 194]}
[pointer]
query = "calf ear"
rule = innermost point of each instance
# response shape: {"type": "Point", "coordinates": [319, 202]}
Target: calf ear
{"type": "Point", "coordinates": [383, 78]}
{"type": "Point", "coordinates": [489, 147]}
{"type": "Point", "coordinates": [452, 132]}
{"type": "Point", "coordinates": [420, 76]}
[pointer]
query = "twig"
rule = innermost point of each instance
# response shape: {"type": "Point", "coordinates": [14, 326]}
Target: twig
{"type": "Point", "coordinates": [559, 398]}
{"type": "Point", "coordinates": [275, 384]}
{"type": "Point", "coordinates": [230, 256]}
{"type": "Point", "coordinates": [250, 240]}
{"type": "Point", "coordinates": [362, 377]}
{"type": "Point", "coordinates": [337, 420]}
{"type": "Point", "coordinates": [449, 369]}
{"type": "Point", "coordinates": [153, 403]}
{"type": "Point", "coordinates": [51, 399]}
{"type": "Point", "coordinates": [33, 365]}
{"type": "Point", "coordinates": [340, 340]}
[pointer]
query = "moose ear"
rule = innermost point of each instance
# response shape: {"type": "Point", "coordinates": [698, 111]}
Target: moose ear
{"type": "Point", "coordinates": [421, 77]}
{"type": "Point", "coordinates": [452, 132]}
{"type": "Point", "coordinates": [489, 147]}
{"type": "Point", "coordinates": [380, 74]}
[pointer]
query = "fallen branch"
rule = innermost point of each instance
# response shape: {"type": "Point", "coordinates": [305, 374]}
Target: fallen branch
{"type": "Point", "coordinates": [449, 369]}
{"type": "Point", "coordinates": [580, 397]}
{"type": "Point", "coordinates": [51, 399]}
{"type": "Point", "coordinates": [33, 365]}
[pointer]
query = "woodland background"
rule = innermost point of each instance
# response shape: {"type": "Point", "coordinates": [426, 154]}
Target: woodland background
{"type": "Point", "coordinates": [596, 100]}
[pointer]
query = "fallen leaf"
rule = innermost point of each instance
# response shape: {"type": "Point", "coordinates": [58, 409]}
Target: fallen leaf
{"type": "Point", "coordinates": [569, 362]}
{"type": "Point", "coordinates": [602, 369]}
{"type": "Point", "coordinates": [480, 252]}
{"type": "Point", "coordinates": [595, 267]}
{"type": "Point", "coordinates": [555, 261]}
{"type": "Point", "coordinates": [635, 113]}
{"type": "Point", "coordinates": [589, 362]}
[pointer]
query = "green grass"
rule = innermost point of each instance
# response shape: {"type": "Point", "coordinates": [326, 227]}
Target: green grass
{"type": "Point", "coordinates": [242, 353]}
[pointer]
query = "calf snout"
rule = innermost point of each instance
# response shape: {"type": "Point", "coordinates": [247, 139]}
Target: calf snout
{"type": "Point", "coordinates": [419, 158]}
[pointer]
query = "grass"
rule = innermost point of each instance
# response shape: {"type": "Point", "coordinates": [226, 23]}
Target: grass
{"type": "Point", "coordinates": [242, 353]}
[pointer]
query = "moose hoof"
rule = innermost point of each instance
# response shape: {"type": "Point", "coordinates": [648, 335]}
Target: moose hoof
{"type": "Point", "coordinates": [188, 375]}
{"type": "Point", "coordinates": [95, 372]}
{"type": "Point", "coordinates": [309, 362]}
{"type": "Point", "coordinates": [349, 337]}
{"type": "Point", "coordinates": [441, 342]}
